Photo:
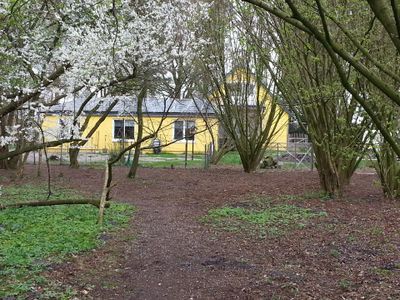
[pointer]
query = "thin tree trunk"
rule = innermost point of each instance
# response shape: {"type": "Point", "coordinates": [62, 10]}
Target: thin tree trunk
{"type": "Point", "coordinates": [21, 165]}
{"type": "Point", "coordinates": [52, 203]}
{"type": "Point", "coordinates": [39, 165]}
{"type": "Point", "coordinates": [135, 162]}
{"type": "Point", "coordinates": [219, 154]}
{"type": "Point", "coordinates": [103, 199]}
{"type": "Point", "coordinates": [73, 157]}
{"type": "Point", "coordinates": [3, 162]}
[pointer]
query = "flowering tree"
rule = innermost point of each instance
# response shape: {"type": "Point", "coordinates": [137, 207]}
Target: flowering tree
{"type": "Point", "coordinates": [53, 49]}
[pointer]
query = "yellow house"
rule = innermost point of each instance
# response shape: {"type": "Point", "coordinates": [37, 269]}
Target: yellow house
{"type": "Point", "coordinates": [248, 96]}
{"type": "Point", "coordinates": [177, 123]}
{"type": "Point", "coordinates": [190, 124]}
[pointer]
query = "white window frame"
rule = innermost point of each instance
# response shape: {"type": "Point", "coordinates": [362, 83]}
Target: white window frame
{"type": "Point", "coordinates": [184, 130]}
{"type": "Point", "coordinates": [114, 139]}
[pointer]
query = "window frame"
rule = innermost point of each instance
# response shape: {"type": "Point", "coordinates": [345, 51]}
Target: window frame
{"type": "Point", "coordinates": [124, 121]}
{"type": "Point", "coordinates": [185, 123]}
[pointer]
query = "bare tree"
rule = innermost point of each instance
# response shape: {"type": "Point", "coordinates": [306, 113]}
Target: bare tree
{"type": "Point", "coordinates": [336, 123]}
{"type": "Point", "coordinates": [336, 29]}
{"type": "Point", "coordinates": [241, 90]}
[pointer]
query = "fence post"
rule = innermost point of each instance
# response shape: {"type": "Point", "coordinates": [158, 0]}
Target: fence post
{"type": "Point", "coordinates": [205, 157]}
{"type": "Point", "coordinates": [186, 152]}
{"type": "Point", "coordinates": [312, 157]}
{"type": "Point", "coordinates": [193, 149]}
{"type": "Point", "coordinates": [277, 151]}
{"type": "Point", "coordinates": [61, 154]}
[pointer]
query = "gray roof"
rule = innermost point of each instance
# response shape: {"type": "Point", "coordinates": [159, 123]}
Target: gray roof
{"type": "Point", "coordinates": [128, 105]}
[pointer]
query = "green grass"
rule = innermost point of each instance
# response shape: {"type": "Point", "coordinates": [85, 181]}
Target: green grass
{"type": "Point", "coordinates": [269, 220]}
{"type": "Point", "coordinates": [176, 163]}
{"type": "Point", "coordinates": [231, 158]}
{"type": "Point", "coordinates": [32, 238]}
{"type": "Point", "coordinates": [163, 155]}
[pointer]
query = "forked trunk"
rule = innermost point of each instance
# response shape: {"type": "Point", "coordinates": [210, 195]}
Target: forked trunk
{"type": "Point", "coordinates": [250, 164]}
{"type": "Point", "coordinates": [333, 177]}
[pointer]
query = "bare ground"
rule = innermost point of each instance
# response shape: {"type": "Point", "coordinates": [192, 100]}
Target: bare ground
{"type": "Point", "coordinates": [168, 253]}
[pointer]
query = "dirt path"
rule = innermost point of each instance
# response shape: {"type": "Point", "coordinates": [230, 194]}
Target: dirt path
{"type": "Point", "coordinates": [173, 255]}
{"type": "Point", "coordinates": [167, 253]}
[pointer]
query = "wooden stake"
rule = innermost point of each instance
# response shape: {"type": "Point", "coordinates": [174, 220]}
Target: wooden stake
{"type": "Point", "coordinates": [103, 198]}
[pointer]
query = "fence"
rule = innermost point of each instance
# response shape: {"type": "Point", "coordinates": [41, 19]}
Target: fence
{"type": "Point", "coordinates": [296, 153]}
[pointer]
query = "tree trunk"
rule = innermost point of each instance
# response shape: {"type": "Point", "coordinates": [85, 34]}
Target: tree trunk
{"type": "Point", "coordinates": [12, 163]}
{"type": "Point", "coordinates": [73, 158]}
{"type": "Point", "coordinates": [388, 169]}
{"type": "Point", "coordinates": [108, 181]}
{"type": "Point", "coordinates": [3, 149]}
{"type": "Point", "coordinates": [74, 150]}
{"type": "Point", "coordinates": [3, 162]}
{"type": "Point", "coordinates": [39, 165]}
{"type": "Point", "coordinates": [135, 162]}
{"type": "Point", "coordinates": [51, 203]}
{"type": "Point", "coordinates": [332, 179]}
{"type": "Point", "coordinates": [21, 165]}
{"type": "Point", "coordinates": [103, 200]}
{"type": "Point", "coordinates": [250, 164]}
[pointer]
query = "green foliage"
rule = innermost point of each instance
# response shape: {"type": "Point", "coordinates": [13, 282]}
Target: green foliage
{"type": "Point", "coordinates": [29, 193]}
{"type": "Point", "coordinates": [345, 284]}
{"type": "Point", "coordinates": [32, 238]}
{"type": "Point", "coordinates": [231, 158]}
{"type": "Point", "coordinates": [197, 162]}
{"type": "Point", "coordinates": [273, 220]}
{"type": "Point", "coordinates": [335, 253]}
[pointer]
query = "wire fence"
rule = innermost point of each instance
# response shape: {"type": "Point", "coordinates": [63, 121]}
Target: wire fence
{"type": "Point", "coordinates": [295, 154]}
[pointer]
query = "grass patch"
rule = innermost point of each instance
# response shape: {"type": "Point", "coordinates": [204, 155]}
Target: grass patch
{"type": "Point", "coordinates": [231, 158]}
{"type": "Point", "coordinates": [274, 220]}
{"type": "Point", "coordinates": [163, 155]}
{"type": "Point", "coordinates": [32, 238]}
{"type": "Point", "coordinates": [176, 163]}
{"type": "Point", "coordinates": [30, 193]}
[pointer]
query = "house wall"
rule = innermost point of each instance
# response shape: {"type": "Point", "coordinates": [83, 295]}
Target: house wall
{"type": "Point", "coordinates": [281, 120]}
{"type": "Point", "coordinates": [280, 139]}
{"type": "Point", "coordinates": [103, 140]}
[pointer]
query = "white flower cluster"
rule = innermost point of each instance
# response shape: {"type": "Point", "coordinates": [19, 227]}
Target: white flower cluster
{"type": "Point", "coordinates": [7, 140]}
{"type": "Point", "coordinates": [94, 41]}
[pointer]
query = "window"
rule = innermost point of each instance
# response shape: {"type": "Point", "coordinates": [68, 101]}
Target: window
{"type": "Point", "coordinates": [123, 129]}
{"type": "Point", "coordinates": [184, 129]}
{"type": "Point", "coordinates": [178, 130]}
{"type": "Point", "coordinates": [190, 130]}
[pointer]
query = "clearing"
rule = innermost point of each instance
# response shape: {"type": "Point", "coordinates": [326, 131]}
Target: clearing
{"type": "Point", "coordinates": [224, 234]}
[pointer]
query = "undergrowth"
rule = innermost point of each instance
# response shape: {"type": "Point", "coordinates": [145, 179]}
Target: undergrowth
{"type": "Point", "coordinates": [34, 238]}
